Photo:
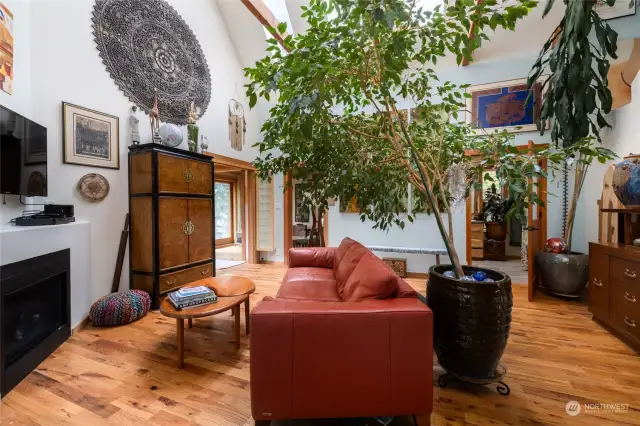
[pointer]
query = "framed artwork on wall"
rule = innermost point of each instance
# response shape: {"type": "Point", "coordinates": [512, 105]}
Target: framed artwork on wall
{"type": "Point", "coordinates": [620, 9]}
{"type": "Point", "coordinates": [504, 106]}
{"type": "Point", "coordinates": [349, 206]}
{"type": "Point", "coordinates": [90, 138]}
{"type": "Point", "coordinates": [6, 49]}
{"type": "Point", "coordinates": [302, 212]}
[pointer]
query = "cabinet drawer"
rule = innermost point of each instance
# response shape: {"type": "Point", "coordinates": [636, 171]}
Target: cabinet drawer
{"type": "Point", "coordinates": [175, 280]}
{"type": "Point", "coordinates": [598, 283]}
{"type": "Point", "coordinates": [625, 317]}
{"type": "Point", "coordinates": [625, 272]}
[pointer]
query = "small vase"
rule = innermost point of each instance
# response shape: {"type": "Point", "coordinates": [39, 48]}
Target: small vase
{"type": "Point", "coordinates": [626, 180]}
{"type": "Point", "coordinates": [192, 132]}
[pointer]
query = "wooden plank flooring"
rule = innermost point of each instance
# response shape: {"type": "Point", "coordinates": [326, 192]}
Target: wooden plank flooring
{"type": "Point", "coordinates": [127, 375]}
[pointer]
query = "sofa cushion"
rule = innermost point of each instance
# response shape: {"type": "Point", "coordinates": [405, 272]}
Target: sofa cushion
{"type": "Point", "coordinates": [309, 284]}
{"type": "Point", "coordinates": [405, 290]}
{"type": "Point", "coordinates": [348, 264]}
{"type": "Point", "coordinates": [371, 279]}
{"type": "Point", "coordinates": [342, 249]}
{"type": "Point", "coordinates": [318, 257]}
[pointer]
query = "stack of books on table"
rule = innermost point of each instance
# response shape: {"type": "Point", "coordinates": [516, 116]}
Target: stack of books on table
{"type": "Point", "coordinates": [191, 297]}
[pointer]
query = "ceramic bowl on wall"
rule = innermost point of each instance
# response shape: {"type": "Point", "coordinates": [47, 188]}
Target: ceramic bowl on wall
{"type": "Point", "coordinates": [626, 180]}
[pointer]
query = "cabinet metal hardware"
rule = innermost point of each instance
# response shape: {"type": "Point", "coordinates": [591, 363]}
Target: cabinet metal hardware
{"type": "Point", "coordinates": [630, 274]}
{"type": "Point", "coordinates": [206, 271]}
{"type": "Point", "coordinates": [188, 228]}
{"type": "Point", "coordinates": [188, 175]}
{"type": "Point", "coordinates": [629, 297]}
{"type": "Point", "coordinates": [171, 281]}
{"type": "Point", "coordinates": [630, 323]}
{"type": "Point", "coordinates": [597, 282]}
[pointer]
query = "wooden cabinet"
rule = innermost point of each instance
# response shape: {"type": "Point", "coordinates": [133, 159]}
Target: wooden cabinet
{"type": "Point", "coordinates": [172, 214]}
{"type": "Point", "coordinates": [614, 289]}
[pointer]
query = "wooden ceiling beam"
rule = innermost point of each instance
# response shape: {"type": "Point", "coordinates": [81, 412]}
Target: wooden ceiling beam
{"type": "Point", "coordinates": [264, 15]}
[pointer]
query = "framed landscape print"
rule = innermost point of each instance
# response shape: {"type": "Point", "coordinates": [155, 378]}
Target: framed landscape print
{"type": "Point", "coordinates": [90, 138]}
{"type": "Point", "coordinates": [620, 9]}
{"type": "Point", "coordinates": [505, 105]}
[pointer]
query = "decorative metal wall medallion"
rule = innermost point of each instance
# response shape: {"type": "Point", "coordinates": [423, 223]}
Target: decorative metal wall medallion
{"type": "Point", "coordinates": [93, 187]}
{"type": "Point", "coordinates": [146, 46]}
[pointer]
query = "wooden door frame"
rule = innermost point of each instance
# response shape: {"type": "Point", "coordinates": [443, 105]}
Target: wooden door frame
{"type": "Point", "coordinates": [247, 192]}
{"type": "Point", "coordinates": [543, 220]}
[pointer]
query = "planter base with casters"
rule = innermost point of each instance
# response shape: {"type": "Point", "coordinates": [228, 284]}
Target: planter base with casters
{"type": "Point", "coordinates": [502, 388]}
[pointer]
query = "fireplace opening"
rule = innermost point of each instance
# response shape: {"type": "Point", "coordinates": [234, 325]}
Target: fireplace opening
{"type": "Point", "coordinates": [34, 314]}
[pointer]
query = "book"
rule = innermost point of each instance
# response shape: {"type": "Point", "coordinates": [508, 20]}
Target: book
{"type": "Point", "coordinates": [192, 291]}
{"type": "Point", "coordinates": [192, 303]}
{"type": "Point", "coordinates": [178, 298]}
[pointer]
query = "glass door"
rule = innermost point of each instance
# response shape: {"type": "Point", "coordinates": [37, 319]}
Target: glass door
{"type": "Point", "coordinates": [225, 212]}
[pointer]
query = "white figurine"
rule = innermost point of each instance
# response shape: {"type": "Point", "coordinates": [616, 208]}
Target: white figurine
{"type": "Point", "coordinates": [135, 126]}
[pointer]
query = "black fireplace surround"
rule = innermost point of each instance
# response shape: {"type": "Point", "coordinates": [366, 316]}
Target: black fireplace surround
{"type": "Point", "coordinates": [35, 314]}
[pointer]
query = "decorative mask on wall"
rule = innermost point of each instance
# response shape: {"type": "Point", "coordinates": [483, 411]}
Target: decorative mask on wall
{"type": "Point", "coordinates": [147, 47]}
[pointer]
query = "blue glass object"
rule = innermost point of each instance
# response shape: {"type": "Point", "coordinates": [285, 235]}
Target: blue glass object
{"type": "Point", "coordinates": [479, 276]}
{"type": "Point", "coordinates": [626, 180]}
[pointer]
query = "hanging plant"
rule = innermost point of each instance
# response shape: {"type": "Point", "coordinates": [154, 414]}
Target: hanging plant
{"type": "Point", "coordinates": [577, 96]}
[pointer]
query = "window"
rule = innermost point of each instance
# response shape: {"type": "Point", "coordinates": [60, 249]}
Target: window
{"type": "Point", "coordinates": [225, 212]}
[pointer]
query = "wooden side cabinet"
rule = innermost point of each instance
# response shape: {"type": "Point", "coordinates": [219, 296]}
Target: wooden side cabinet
{"type": "Point", "coordinates": [171, 202]}
{"type": "Point", "coordinates": [614, 289]}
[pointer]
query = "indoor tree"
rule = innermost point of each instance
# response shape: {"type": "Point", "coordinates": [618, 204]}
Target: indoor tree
{"type": "Point", "coordinates": [338, 124]}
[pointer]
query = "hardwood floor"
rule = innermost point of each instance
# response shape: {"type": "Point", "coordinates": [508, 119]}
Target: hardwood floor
{"type": "Point", "coordinates": [128, 376]}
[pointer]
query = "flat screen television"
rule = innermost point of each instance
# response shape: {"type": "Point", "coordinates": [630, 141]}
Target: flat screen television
{"type": "Point", "coordinates": [23, 155]}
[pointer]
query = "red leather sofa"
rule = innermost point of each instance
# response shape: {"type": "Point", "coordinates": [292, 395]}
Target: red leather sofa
{"type": "Point", "coordinates": [344, 337]}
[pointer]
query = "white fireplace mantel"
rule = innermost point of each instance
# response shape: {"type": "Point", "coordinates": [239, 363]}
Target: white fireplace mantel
{"type": "Point", "coordinates": [24, 242]}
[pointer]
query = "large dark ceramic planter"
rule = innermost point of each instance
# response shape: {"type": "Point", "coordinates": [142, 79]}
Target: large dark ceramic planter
{"type": "Point", "coordinates": [471, 321]}
{"type": "Point", "coordinates": [563, 274]}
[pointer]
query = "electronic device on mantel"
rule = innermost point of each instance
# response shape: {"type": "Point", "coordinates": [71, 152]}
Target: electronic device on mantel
{"type": "Point", "coordinates": [53, 214]}
{"type": "Point", "coordinates": [23, 155]}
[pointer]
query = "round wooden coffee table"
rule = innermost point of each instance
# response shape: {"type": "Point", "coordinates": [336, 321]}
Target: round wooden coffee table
{"type": "Point", "coordinates": [231, 290]}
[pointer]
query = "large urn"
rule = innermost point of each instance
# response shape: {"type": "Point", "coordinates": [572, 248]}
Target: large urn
{"type": "Point", "coordinates": [471, 321]}
{"type": "Point", "coordinates": [626, 180]}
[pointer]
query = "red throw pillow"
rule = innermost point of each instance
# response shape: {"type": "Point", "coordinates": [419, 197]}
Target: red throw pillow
{"type": "Point", "coordinates": [342, 249]}
{"type": "Point", "coordinates": [371, 279]}
{"type": "Point", "coordinates": [348, 264]}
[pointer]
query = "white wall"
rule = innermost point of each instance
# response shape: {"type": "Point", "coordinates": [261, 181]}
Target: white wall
{"type": "Point", "coordinates": [65, 66]}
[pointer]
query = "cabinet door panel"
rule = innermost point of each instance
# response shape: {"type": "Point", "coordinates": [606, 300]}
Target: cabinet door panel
{"type": "Point", "coordinates": [201, 240]}
{"type": "Point", "coordinates": [174, 243]}
{"type": "Point", "coordinates": [173, 174]}
{"type": "Point", "coordinates": [598, 283]}
{"type": "Point", "coordinates": [201, 182]}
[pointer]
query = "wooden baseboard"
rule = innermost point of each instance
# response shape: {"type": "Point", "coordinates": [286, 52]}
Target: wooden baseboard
{"type": "Point", "coordinates": [271, 262]}
{"type": "Point", "coordinates": [83, 324]}
{"type": "Point", "coordinates": [417, 275]}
